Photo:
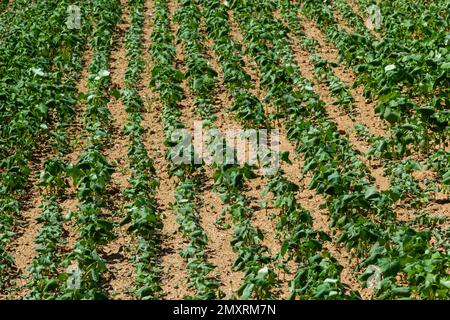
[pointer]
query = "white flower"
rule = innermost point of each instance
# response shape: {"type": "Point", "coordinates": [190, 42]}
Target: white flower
{"type": "Point", "coordinates": [389, 67]}
{"type": "Point", "coordinates": [38, 72]}
{"type": "Point", "coordinates": [102, 74]}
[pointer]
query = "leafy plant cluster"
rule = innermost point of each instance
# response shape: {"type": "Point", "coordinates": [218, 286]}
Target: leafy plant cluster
{"type": "Point", "coordinates": [206, 287]}
{"type": "Point", "coordinates": [3, 4]}
{"type": "Point", "coordinates": [248, 108]}
{"type": "Point", "coordinates": [399, 172]}
{"type": "Point", "coordinates": [46, 264]}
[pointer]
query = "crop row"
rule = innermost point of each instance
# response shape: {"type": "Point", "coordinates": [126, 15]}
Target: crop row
{"type": "Point", "coordinates": [92, 172]}
{"type": "Point", "coordinates": [167, 79]}
{"type": "Point", "coordinates": [142, 216]}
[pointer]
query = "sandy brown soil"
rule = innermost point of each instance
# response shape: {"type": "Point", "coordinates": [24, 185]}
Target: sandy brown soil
{"type": "Point", "coordinates": [342, 24]}
{"type": "Point", "coordinates": [119, 252]}
{"type": "Point", "coordinates": [23, 246]}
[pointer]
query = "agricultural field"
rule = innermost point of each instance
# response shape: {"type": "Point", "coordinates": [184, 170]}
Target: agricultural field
{"type": "Point", "coordinates": [105, 192]}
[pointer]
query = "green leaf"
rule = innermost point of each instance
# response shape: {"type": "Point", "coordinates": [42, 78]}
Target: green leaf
{"type": "Point", "coordinates": [390, 115]}
{"type": "Point", "coordinates": [51, 285]}
{"type": "Point", "coordinates": [247, 293]}
{"type": "Point", "coordinates": [445, 66]}
{"type": "Point", "coordinates": [285, 157]}
{"type": "Point", "coordinates": [445, 283]}
{"type": "Point", "coordinates": [284, 248]}
{"type": "Point", "coordinates": [446, 178]}
{"type": "Point", "coordinates": [115, 93]}
{"type": "Point", "coordinates": [370, 193]}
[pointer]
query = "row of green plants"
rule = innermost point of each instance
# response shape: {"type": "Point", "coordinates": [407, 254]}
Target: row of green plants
{"type": "Point", "coordinates": [46, 264]}
{"type": "Point", "coordinates": [248, 109]}
{"type": "Point", "coordinates": [78, 275]}
{"type": "Point", "coordinates": [318, 274]}
{"type": "Point", "coordinates": [142, 217]}
{"type": "Point", "coordinates": [201, 80]}
{"type": "Point", "coordinates": [253, 257]}
{"type": "Point", "coordinates": [323, 69]}
{"type": "Point", "coordinates": [167, 81]}
{"type": "Point", "coordinates": [410, 21]}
